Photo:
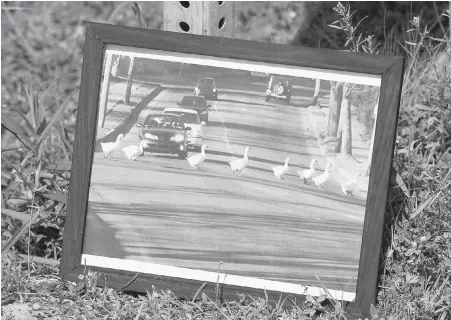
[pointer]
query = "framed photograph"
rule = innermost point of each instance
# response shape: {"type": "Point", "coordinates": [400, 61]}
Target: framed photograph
{"type": "Point", "coordinates": [248, 166]}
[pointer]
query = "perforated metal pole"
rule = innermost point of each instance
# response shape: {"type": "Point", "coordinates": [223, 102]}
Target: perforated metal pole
{"type": "Point", "coordinates": [213, 18]}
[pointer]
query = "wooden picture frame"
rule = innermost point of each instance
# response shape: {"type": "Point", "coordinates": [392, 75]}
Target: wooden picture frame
{"type": "Point", "coordinates": [388, 69]}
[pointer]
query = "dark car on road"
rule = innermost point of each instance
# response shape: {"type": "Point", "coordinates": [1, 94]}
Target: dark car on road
{"type": "Point", "coordinates": [197, 103]}
{"type": "Point", "coordinates": [279, 88]}
{"type": "Point", "coordinates": [164, 133]}
{"type": "Point", "coordinates": [207, 88]}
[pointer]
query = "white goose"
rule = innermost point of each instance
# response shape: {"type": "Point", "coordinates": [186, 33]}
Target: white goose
{"type": "Point", "coordinates": [197, 159]}
{"type": "Point", "coordinates": [321, 179]}
{"type": "Point", "coordinates": [349, 186]}
{"type": "Point", "coordinates": [308, 173]}
{"type": "Point", "coordinates": [132, 152]}
{"type": "Point", "coordinates": [238, 165]}
{"type": "Point", "coordinates": [279, 171]}
{"type": "Point", "coordinates": [107, 147]}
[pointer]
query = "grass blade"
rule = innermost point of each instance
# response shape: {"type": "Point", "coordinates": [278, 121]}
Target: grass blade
{"type": "Point", "coordinates": [16, 129]}
{"type": "Point", "coordinates": [59, 113]}
{"type": "Point", "coordinates": [201, 288]}
{"type": "Point", "coordinates": [16, 215]}
{"type": "Point", "coordinates": [30, 96]}
{"type": "Point", "coordinates": [28, 127]}
{"type": "Point", "coordinates": [50, 262]}
{"type": "Point", "coordinates": [22, 230]}
{"type": "Point", "coordinates": [56, 196]}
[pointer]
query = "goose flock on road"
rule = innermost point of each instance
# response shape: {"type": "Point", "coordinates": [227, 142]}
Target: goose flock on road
{"type": "Point", "coordinates": [238, 165]}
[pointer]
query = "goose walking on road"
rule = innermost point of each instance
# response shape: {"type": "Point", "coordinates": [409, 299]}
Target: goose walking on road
{"type": "Point", "coordinates": [132, 152]}
{"type": "Point", "coordinates": [349, 186]}
{"type": "Point", "coordinates": [279, 171]}
{"type": "Point", "coordinates": [107, 147]}
{"type": "Point", "coordinates": [308, 173]}
{"type": "Point", "coordinates": [197, 159]}
{"type": "Point", "coordinates": [238, 165]}
{"type": "Point", "coordinates": [321, 179]}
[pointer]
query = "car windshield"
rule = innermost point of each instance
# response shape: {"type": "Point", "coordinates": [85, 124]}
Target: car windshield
{"type": "Point", "coordinates": [194, 101]}
{"type": "Point", "coordinates": [206, 84]}
{"type": "Point", "coordinates": [190, 118]}
{"type": "Point", "coordinates": [164, 122]}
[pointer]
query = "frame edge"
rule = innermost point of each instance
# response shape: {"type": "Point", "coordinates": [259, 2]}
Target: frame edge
{"type": "Point", "coordinates": [384, 145]}
{"type": "Point", "coordinates": [82, 152]}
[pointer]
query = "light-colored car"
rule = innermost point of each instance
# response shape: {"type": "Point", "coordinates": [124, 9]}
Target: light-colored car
{"type": "Point", "coordinates": [259, 75]}
{"type": "Point", "coordinates": [191, 119]}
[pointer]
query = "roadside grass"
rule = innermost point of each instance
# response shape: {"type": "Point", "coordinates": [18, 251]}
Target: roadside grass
{"type": "Point", "coordinates": [41, 56]}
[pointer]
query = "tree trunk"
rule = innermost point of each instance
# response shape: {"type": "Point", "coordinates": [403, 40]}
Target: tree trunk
{"type": "Point", "coordinates": [346, 139]}
{"type": "Point", "coordinates": [336, 95]}
{"type": "Point", "coordinates": [339, 135]}
{"type": "Point", "coordinates": [128, 91]}
{"type": "Point", "coordinates": [105, 90]}
{"type": "Point", "coordinates": [370, 156]}
{"type": "Point", "coordinates": [344, 134]}
{"type": "Point", "coordinates": [316, 93]}
{"type": "Point", "coordinates": [115, 68]}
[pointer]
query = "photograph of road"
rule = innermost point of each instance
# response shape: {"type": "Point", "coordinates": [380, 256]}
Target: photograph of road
{"type": "Point", "coordinates": [197, 165]}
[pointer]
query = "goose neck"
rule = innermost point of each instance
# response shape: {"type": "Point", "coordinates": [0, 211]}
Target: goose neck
{"type": "Point", "coordinates": [141, 146]}
{"type": "Point", "coordinates": [312, 164]}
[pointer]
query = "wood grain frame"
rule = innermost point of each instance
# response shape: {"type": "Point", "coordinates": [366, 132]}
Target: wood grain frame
{"type": "Point", "coordinates": [390, 69]}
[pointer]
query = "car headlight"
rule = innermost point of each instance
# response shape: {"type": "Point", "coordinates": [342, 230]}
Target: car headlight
{"type": "Point", "coordinates": [178, 138]}
{"type": "Point", "coordinates": [150, 136]}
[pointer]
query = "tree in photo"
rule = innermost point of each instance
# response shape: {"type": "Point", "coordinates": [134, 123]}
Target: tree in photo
{"type": "Point", "coordinates": [370, 155]}
{"type": "Point", "coordinates": [344, 134]}
{"type": "Point", "coordinates": [336, 95]}
{"type": "Point", "coordinates": [115, 67]}
{"type": "Point", "coordinates": [128, 91]}
{"type": "Point", "coordinates": [366, 99]}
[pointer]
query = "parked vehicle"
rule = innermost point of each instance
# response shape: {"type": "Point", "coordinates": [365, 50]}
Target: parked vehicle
{"type": "Point", "coordinates": [191, 119]}
{"type": "Point", "coordinates": [197, 103]}
{"type": "Point", "coordinates": [164, 133]}
{"type": "Point", "coordinates": [257, 75]}
{"type": "Point", "coordinates": [279, 88]}
{"type": "Point", "coordinates": [207, 88]}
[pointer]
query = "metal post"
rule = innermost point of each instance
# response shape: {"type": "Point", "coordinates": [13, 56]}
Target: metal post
{"type": "Point", "coordinates": [213, 18]}
{"type": "Point", "coordinates": [104, 91]}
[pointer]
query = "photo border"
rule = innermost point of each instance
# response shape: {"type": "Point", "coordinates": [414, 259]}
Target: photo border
{"type": "Point", "coordinates": [390, 69]}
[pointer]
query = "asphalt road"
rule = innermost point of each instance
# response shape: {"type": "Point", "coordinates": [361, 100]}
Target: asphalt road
{"type": "Point", "coordinates": [161, 210]}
